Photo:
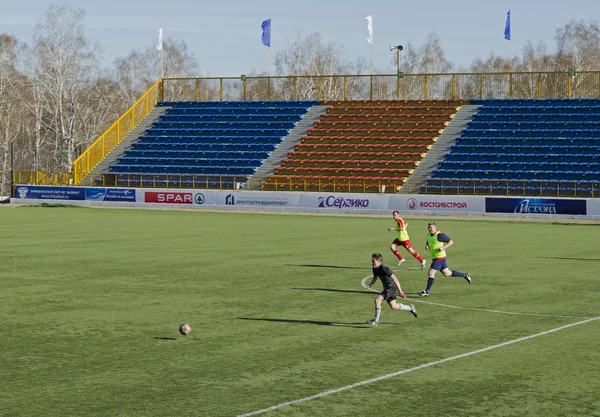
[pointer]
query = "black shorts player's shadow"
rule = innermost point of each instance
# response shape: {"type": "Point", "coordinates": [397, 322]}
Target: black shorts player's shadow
{"type": "Point", "coordinates": [328, 266]}
{"type": "Point", "coordinates": [335, 290]}
{"type": "Point", "coordinates": [359, 325]}
{"type": "Point", "coordinates": [571, 258]}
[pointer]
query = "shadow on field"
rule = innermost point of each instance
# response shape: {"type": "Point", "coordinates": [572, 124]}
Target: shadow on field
{"type": "Point", "coordinates": [318, 323]}
{"type": "Point", "coordinates": [328, 266]}
{"type": "Point", "coordinates": [335, 290]}
{"type": "Point", "coordinates": [571, 259]}
{"type": "Point", "coordinates": [165, 338]}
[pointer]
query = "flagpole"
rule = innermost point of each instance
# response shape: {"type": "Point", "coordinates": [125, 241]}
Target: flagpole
{"type": "Point", "coordinates": [509, 56]}
{"type": "Point", "coordinates": [371, 59]}
{"type": "Point", "coordinates": [160, 48]}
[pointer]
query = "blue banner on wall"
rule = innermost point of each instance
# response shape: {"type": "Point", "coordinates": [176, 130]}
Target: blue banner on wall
{"type": "Point", "coordinates": [548, 206]}
{"type": "Point", "coordinates": [50, 193]}
{"type": "Point", "coordinates": [110, 194]}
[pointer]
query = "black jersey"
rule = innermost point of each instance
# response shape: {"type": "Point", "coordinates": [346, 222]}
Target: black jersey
{"type": "Point", "coordinates": [384, 273]}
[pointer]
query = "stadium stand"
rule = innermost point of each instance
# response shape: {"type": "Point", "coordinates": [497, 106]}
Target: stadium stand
{"type": "Point", "coordinates": [545, 147]}
{"type": "Point", "coordinates": [206, 143]}
{"type": "Point", "coordinates": [363, 146]}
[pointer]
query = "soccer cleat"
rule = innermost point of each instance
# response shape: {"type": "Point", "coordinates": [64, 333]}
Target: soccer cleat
{"type": "Point", "coordinates": [400, 262]}
{"type": "Point", "coordinates": [373, 322]}
{"type": "Point", "coordinates": [423, 265]}
{"type": "Point", "coordinates": [413, 310]}
{"type": "Point", "coordinates": [468, 277]}
{"type": "Point", "coordinates": [424, 293]}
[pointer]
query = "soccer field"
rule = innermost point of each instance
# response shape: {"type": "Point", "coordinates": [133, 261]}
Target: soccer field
{"type": "Point", "coordinates": [91, 300]}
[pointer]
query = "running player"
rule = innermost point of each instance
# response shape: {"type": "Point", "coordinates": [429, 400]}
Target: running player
{"type": "Point", "coordinates": [437, 243]}
{"type": "Point", "coordinates": [403, 240]}
{"type": "Point", "coordinates": [390, 285]}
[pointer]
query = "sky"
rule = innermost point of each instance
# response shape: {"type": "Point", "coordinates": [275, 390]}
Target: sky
{"type": "Point", "coordinates": [225, 36]}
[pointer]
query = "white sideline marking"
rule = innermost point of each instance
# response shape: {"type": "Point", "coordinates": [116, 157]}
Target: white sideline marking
{"type": "Point", "coordinates": [427, 365]}
{"type": "Point", "coordinates": [498, 311]}
{"type": "Point", "coordinates": [418, 300]}
{"type": "Point", "coordinates": [43, 224]}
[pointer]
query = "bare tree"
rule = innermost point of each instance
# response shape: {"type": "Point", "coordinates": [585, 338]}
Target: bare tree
{"type": "Point", "coordinates": [64, 68]}
{"type": "Point", "coordinates": [429, 58]}
{"type": "Point", "coordinates": [314, 62]}
{"type": "Point", "coordinates": [10, 111]}
{"type": "Point", "coordinates": [140, 69]}
{"type": "Point", "coordinates": [578, 49]}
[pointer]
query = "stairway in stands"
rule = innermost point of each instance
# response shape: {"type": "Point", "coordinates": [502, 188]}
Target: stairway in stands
{"type": "Point", "coordinates": [363, 146]}
{"type": "Point", "coordinates": [539, 147]}
{"type": "Point", "coordinates": [206, 144]}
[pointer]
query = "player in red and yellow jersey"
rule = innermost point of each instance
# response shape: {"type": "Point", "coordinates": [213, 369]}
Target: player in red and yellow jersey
{"type": "Point", "coordinates": [403, 240]}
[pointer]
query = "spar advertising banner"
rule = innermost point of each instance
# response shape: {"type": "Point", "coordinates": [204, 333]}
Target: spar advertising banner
{"type": "Point", "coordinates": [540, 206]}
{"type": "Point", "coordinates": [436, 204]}
{"type": "Point", "coordinates": [179, 197]}
{"type": "Point", "coordinates": [41, 192]}
{"type": "Point", "coordinates": [258, 199]}
{"type": "Point", "coordinates": [343, 202]}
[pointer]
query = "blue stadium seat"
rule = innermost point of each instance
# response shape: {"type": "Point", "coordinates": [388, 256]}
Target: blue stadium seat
{"type": "Point", "coordinates": [229, 138]}
{"type": "Point", "coordinates": [537, 143]}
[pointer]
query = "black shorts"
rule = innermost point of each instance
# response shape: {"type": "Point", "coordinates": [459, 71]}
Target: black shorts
{"type": "Point", "coordinates": [389, 294]}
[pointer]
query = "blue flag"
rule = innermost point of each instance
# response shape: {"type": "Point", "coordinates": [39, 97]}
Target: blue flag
{"type": "Point", "coordinates": [266, 35]}
{"type": "Point", "coordinates": [507, 27]}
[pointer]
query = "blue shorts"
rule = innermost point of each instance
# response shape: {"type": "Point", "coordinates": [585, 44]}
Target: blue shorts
{"type": "Point", "coordinates": [438, 264]}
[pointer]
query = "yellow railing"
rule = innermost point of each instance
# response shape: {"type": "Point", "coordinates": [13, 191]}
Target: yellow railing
{"type": "Point", "coordinates": [115, 134]}
{"type": "Point", "coordinates": [173, 181]}
{"type": "Point", "coordinates": [41, 178]}
{"type": "Point", "coordinates": [533, 188]}
{"type": "Point", "coordinates": [498, 85]}
{"type": "Point", "coordinates": [537, 188]}
{"type": "Point", "coordinates": [588, 189]}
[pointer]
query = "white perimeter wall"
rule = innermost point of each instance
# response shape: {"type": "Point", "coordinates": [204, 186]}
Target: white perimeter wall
{"type": "Point", "coordinates": [311, 202]}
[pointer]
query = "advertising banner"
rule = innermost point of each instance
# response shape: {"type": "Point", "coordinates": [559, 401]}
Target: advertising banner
{"type": "Point", "coordinates": [436, 204]}
{"type": "Point", "coordinates": [40, 192]}
{"type": "Point", "coordinates": [541, 206]}
{"type": "Point", "coordinates": [258, 199]}
{"type": "Point", "coordinates": [110, 194]}
{"type": "Point", "coordinates": [169, 197]}
{"type": "Point", "coordinates": [593, 207]}
{"type": "Point", "coordinates": [191, 197]}
{"type": "Point", "coordinates": [343, 202]}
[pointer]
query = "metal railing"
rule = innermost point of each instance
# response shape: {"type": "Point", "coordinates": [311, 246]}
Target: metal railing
{"type": "Point", "coordinates": [497, 85]}
{"type": "Point", "coordinates": [532, 188]}
{"type": "Point", "coordinates": [41, 178]}
{"type": "Point", "coordinates": [537, 188]}
{"type": "Point", "coordinates": [565, 84]}
{"type": "Point", "coordinates": [115, 133]}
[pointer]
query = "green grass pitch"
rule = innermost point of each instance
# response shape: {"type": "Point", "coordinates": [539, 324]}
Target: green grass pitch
{"type": "Point", "coordinates": [91, 300]}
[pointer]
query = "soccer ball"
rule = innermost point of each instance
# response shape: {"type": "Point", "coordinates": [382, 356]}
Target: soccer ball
{"type": "Point", "coordinates": [185, 329]}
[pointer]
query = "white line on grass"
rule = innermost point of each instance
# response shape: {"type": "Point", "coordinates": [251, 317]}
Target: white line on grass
{"type": "Point", "coordinates": [416, 368]}
{"type": "Point", "coordinates": [416, 300]}
{"type": "Point", "coordinates": [45, 224]}
{"type": "Point", "coordinates": [498, 311]}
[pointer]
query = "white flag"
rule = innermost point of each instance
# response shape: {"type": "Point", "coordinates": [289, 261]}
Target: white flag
{"type": "Point", "coordinates": [370, 28]}
{"type": "Point", "coordinates": [159, 44]}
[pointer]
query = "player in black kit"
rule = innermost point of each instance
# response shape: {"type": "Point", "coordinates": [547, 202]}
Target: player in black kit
{"type": "Point", "coordinates": [390, 285]}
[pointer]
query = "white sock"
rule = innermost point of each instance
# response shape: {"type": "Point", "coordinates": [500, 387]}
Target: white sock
{"type": "Point", "coordinates": [377, 313]}
{"type": "Point", "coordinates": [403, 307]}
